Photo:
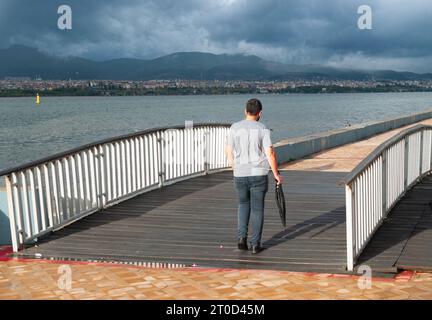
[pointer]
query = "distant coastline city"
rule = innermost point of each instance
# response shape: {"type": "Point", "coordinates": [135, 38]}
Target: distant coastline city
{"type": "Point", "coordinates": [26, 71]}
{"type": "Point", "coordinates": [23, 86]}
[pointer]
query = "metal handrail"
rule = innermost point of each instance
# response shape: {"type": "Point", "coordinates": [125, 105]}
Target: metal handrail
{"type": "Point", "coordinates": [66, 153]}
{"type": "Point", "coordinates": [47, 194]}
{"type": "Point", "coordinates": [378, 150]}
{"type": "Point", "coordinates": [377, 183]}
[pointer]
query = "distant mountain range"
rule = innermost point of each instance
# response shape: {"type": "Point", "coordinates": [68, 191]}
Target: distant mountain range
{"type": "Point", "coordinates": [22, 61]}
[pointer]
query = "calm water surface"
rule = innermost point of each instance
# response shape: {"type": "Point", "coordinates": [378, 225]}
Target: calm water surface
{"type": "Point", "coordinates": [29, 132]}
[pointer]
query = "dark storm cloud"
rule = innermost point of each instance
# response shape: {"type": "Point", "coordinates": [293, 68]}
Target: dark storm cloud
{"type": "Point", "coordinates": [292, 31]}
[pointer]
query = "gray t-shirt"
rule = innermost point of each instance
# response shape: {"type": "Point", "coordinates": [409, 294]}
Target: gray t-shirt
{"type": "Point", "coordinates": [249, 139]}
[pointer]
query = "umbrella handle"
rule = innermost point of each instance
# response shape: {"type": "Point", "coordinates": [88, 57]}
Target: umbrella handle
{"type": "Point", "coordinates": [276, 180]}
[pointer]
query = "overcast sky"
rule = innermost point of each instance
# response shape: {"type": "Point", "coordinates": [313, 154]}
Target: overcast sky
{"type": "Point", "coordinates": [290, 31]}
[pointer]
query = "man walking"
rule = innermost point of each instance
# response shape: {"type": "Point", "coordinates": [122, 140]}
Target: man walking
{"type": "Point", "coordinates": [250, 152]}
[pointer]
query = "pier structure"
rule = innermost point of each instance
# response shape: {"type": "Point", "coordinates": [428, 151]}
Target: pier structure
{"type": "Point", "coordinates": [165, 198]}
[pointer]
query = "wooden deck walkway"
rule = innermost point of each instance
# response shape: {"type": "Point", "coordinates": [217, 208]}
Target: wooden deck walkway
{"type": "Point", "coordinates": [405, 237]}
{"type": "Point", "coordinates": [194, 223]}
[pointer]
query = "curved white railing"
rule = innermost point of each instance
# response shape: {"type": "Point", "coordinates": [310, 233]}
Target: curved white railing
{"type": "Point", "coordinates": [45, 195]}
{"type": "Point", "coordinates": [380, 180]}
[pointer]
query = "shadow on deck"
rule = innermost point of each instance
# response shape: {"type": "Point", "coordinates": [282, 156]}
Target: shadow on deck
{"type": "Point", "coordinates": [404, 239]}
{"type": "Point", "coordinates": [194, 222]}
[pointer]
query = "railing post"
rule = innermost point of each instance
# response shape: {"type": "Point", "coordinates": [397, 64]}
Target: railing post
{"type": "Point", "coordinates": [384, 183]}
{"type": "Point", "coordinates": [206, 151]}
{"type": "Point", "coordinates": [349, 228]}
{"type": "Point", "coordinates": [406, 158]}
{"type": "Point", "coordinates": [421, 152]}
{"type": "Point", "coordinates": [11, 214]}
{"type": "Point", "coordinates": [99, 192]}
{"type": "Point", "coordinates": [161, 160]}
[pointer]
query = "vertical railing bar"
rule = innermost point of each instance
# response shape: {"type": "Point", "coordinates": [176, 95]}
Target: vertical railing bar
{"type": "Point", "coordinates": [152, 156]}
{"type": "Point", "coordinates": [98, 171]}
{"type": "Point", "coordinates": [356, 216]}
{"type": "Point", "coordinates": [18, 208]}
{"type": "Point", "coordinates": [360, 211]}
{"type": "Point", "coordinates": [108, 177]}
{"type": "Point", "coordinates": [102, 175]}
{"type": "Point", "coordinates": [195, 150]}
{"type": "Point", "coordinates": [406, 158]}
{"type": "Point", "coordinates": [123, 161]}
{"type": "Point", "coordinates": [133, 165]}
{"type": "Point", "coordinates": [138, 163]}
{"type": "Point", "coordinates": [167, 159]}
{"type": "Point", "coordinates": [375, 191]}
{"type": "Point", "coordinates": [143, 163]}
{"type": "Point", "coordinates": [26, 220]}
{"type": "Point", "coordinates": [55, 184]}
{"type": "Point", "coordinates": [87, 185]}
{"type": "Point", "coordinates": [129, 166]}
{"type": "Point", "coordinates": [180, 162]}
{"type": "Point", "coordinates": [147, 159]}
{"type": "Point", "coordinates": [91, 163]}
{"type": "Point", "coordinates": [179, 154]}
{"type": "Point", "coordinates": [159, 144]}
{"type": "Point", "coordinates": [41, 198]}
{"type": "Point", "coordinates": [81, 195]}
{"type": "Point", "coordinates": [190, 150]}
{"type": "Point", "coordinates": [119, 170]}
{"type": "Point", "coordinates": [368, 186]}
{"type": "Point", "coordinates": [182, 159]}
{"type": "Point", "coordinates": [104, 170]}
{"type": "Point", "coordinates": [114, 171]}
{"type": "Point", "coordinates": [75, 195]}
{"type": "Point", "coordinates": [48, 196]}
{"type": "Point", "coordinates": [34, 211]}
{"type": "Point", "coordinates": [420, 161]}
{"type": "Point", "coordinates": [12, 213]}
{"type": "Point", "coordinates": [372, 197]}
{"type": "Point", "coordinates": [349, 228]}
{"type": "Point", "coordinates": [173, 154]}
{"type": "Point", "coordinates": [384, 182]}
{"type": "Point", "coordinates": [68, 188]}
{"type": "Point", "coordinates": [421, 152]}
{"type": "Point", "coordinates": [184, 152]}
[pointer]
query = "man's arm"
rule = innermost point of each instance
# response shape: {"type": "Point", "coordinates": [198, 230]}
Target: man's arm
{"type": "Point", "coordinates": [230, 155]}
{"type": "Point", "coordinates": [271, 157]}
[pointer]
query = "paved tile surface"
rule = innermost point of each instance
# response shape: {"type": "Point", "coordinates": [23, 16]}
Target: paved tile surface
{"type": "Point", "coordinates": [346, 157]}
{"type": "Point", "coordinates": [46, 280]}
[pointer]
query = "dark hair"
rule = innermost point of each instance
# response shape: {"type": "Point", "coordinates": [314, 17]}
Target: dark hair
{"type": "Point", "coordinates": [253, 107]}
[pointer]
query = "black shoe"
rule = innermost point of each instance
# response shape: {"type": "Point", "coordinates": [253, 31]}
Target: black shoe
{"type": "Point", "coordinates": [256, 249]}
{"type": "Point", "coordinates": [242, 244]}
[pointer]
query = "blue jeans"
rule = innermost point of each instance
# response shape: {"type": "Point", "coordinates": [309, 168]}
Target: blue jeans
{"type": "Point", "coordinates": [251, 192]}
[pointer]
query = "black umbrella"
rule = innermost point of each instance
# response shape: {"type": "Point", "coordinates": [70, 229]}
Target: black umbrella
{"type": "Point", "coordinates": [280, 201]}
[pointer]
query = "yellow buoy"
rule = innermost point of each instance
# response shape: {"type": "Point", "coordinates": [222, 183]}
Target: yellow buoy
{"type": "Point", "coordinates": [37, 99]}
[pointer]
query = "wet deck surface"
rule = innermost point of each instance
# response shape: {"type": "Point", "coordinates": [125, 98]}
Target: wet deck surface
{"type": "Point", "coordinates": [194, 222]}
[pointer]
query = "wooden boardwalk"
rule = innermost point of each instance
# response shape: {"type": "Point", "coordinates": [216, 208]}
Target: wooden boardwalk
{"type": "Point", "coordinates": [194, 223]}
